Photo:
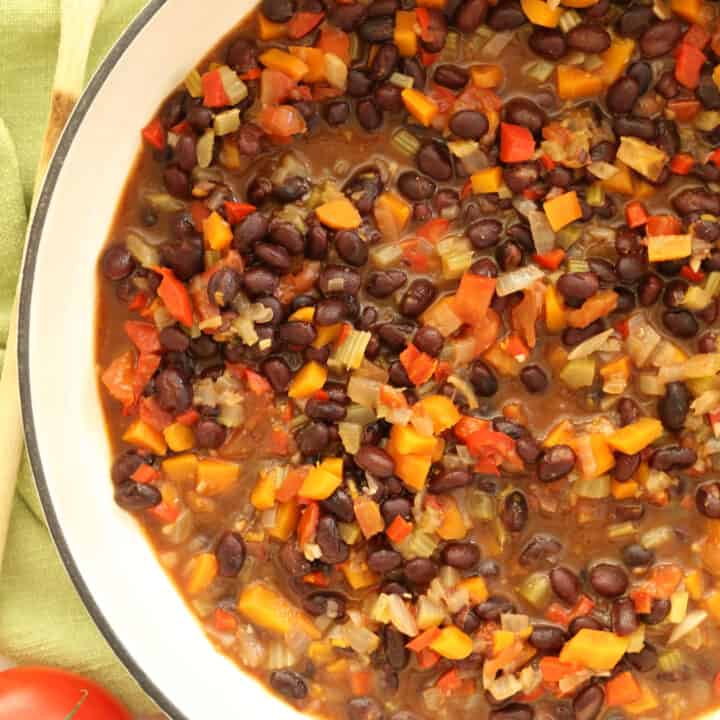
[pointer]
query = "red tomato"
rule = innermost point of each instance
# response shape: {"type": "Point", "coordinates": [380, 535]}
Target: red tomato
{"type": "Point", "coordinates": [32, 693]}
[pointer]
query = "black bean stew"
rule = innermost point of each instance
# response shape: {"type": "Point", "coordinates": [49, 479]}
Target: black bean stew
{"type": "Point", "coordinates": [409, 351]}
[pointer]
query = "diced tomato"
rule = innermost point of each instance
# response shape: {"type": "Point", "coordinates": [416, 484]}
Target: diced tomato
{"type": "Point", "coordinates": [399, 529]}
{"type": "Point", "coordinates": [165, 513]}
{"type": "Point", "coordinates": [275, 86]}
{"type": "Point", "coordinates": [547, 161]}
{"type": "Point", "coordinates": [256, 383]}
{"type": "Point", "coordinates": [486, 332]}
{"type": "Point", "coordinates": [302, 23]}
{"type": "Point", "coordinates": [433, 230]}
{"type": "Point", "coordinates": [515, 346]}
{"type": "Point", "coordinates": [714, 157]}
{"type": "Point", "coordinates": [424, 640]}
{"type": "Point", "coordinates": [516, 143]}
{"type": "Point", "coordinates": [635, 214]}
{"type": "Point", "coordinates": [418, 365]}
{"type": "Point", "coordinates": [138, 302]}
{"type": "Point", "coordinates": [682, 164]}
{"type": "Point", "coordinates": [415, 257]}
{"type": "Point", "coordinates": [147, 365]}
{"type": "Point", "coordinates": [688, 63]}
{"type": "Point", "coordinates": [467, 425]}
{"type": "Point", "coordinates": [224, 621]}
{"type": "Point", "coordinates": [551, 260]}
{"type": "Point", "coordinates": [498, 442]}
{"type": "Point", "coordinates": [181, 128]}
{"type": "Point", "coordinates": [236, 211]}
{"type": "Point", "coordinates": [426, 58]}
{"type": "Point", "coordinates": [214, 95]}
{"type": "Point", "coordinates": [144, 335]}
{"type": "Point", "coordinates": [663, 225]}
{"type": "Point", "coordinates": [695, 276]}
{"type": "Point", "coordinates": [697, 36]}
{"type": "Point", "coordinates": [291, 484]}
{"type": "Point", "coordinates": [684, 109]}
{"type": "Point", "coordinates": [153, 414]}
{"type": "Point", "coordinates": [252, 74]}
{"type": "Point", "coordinates": [279, 442]}
{"type": "Point", "coordinates": [175, 296]}
{"type": "Point", "coordinates": [118, 379]}
{"type": "Point", "coordinates": [308, 523]}
{"type": "Point", "coordinates": [154, 134]}
{"type": "Point", "coordinates": [427, 658]}
{"type": "Point", "coordinates": [282, 121]}
{"type": "Point", "coordinates": [623, 327]}
{"type": "Point", "coordinates": [145, 474]}
{"type": "Point", "coordinates": [336, 42]}
{"type": "Point", "coordinates": [189, 417]}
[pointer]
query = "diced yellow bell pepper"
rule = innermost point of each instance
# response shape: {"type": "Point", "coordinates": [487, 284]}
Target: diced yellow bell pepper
{"type": "Point", "coordinates": [619, 367]}
{"type": "Point", "coordinates": [621, 182]}
{"type": "Point", "coordinates": [452, 643]}
{"type": "Point", "coordinates": [319, 484]}
{"type": "Point", "coordinates": [263, 494]}
{"type": "Point", "coordinates": [308, 380]}
{"type": "Point", "coordinates": [217, 232]}
{"type": "Point", "coordinates": [695, 584]}
{"type": "Point", "coordinates": [357, 573]}
{"type": "Point", "coordinates": [597, 650]}
{"type": "Point", "coordinates": [203, 571]}
{"type": "Point", "coordinates": [453, 526]}
{"type": "Point", "coordinates": [439, 450]}
{"type": "Point", "coordinates": [286, 520]}
{"type": "Point", "coordinates": [624, 490]}
{"type": "Point", "coordinates": [487, 181]}
{"type": "Point", "coordinates": [399, 209]}
{"type": "Point", "coordinates": [712, 604]}
{"type": "Point", "coordinates": [669, 247]}
{"type": "Point", "coordinates": [476, 587]}
{"type": "Point", "coordinates": [422, 107]}
{"type": "Point", "coordinates": [442, 411]}
{"type": "Point", "coordinates": [594, 456]}
{"type": "Point", "coordinates": [405, 37]}
{"type": "Point", "coordinates": [268, 30]}
{"type": "Point", "coordinates": [573, 82]}
{"type": "Point", "coordinates": [538, 12]}
{"type": "Point", "coordinates": [563, 210]}
{"type": "Point", "coordinates": [180, 469]}
{"type": "Point", "coordinates": [645, 704]}
{"type": "Point", "coordinates": [292, 66]}
{"type": "Point", "coordinates": [179, 437]}
{"type": "Point", "coordinates": [339, 214]}
{"type": "Point", "coordinates": [269, 609]}
{"type": "Point", "coordinates": [692, 11]}
{"type": "Point", "coordinates": [304, 314]}
{"type": "Point", "coordinates": [327, 334]}
{"type": "Point", "coordinates": [615, 60]}
{"type": "Point", "coordinates": [321, 652]}
{"type": "Point", "coordinates": [413, 470]}
{"type": "Point", "coordinates": [406, 441]}
{"type": "Point", "coordinates": [145, 436]}
{"type": "Point", "coordinates": [555, 319]}
{"type": "Point", "coordinates": [502, 639]}
{"type": "Point", "coordinates": [486, 76]}
{"type": "Point", "coordinates": [215, 477]}
{"type": "Point", "coordinates": [637, 436]}
{"type": "Point", "coordinates": [333, 465]}
{"type": "Point", "coordinates": [562, 434]}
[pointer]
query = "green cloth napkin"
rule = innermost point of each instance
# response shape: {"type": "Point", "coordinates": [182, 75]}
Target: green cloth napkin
{"type": "Point", "coordinates": [42, 619]}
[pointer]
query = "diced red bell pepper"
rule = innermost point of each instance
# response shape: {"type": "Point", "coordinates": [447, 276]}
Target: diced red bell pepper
{"type": "Point", "coordinates": [147, 365]}
{"type": "Point", "coordinates": [663, 225]}
{"type": "Point", "coordinates": [165, 513]}
{"type": "Point", "coordinates": [684, 110]}
{"type": "Point", "coordinates": [189, 417]}
{"type": "Point", "coordinates": [138, 302]}
{"type": "Point", "coordinates": [145, 474]}
{"type": "Point", "coordinates": [548, 162]}
{"type": "Point", "coordinates": [682, 164]}
{"type": "Point", "coordinates": [144, 336]}
{"type": "Point", "coordinates": [152, 414]}
{"type": "Point", "coordinates": [697, 36]}
{"type": "Point", "coordinates": [214, 94]}
{"type": "Point", "coordinates": [695, 276]}
{"type": "Point", "coordinates": [236, 211]}
{"type": "Point", "coordinates": [154, 134]}
{"type": "Point", "coordinates": [118, 379]}
{"type": "Point", "coordinates": [224, 620]}
{"type": "Point", "coordinates": [256, 383]}
{"type": "Point", "coordinates": [433, 230]}
{"type": "Point", "coordinates": [419, 365]}
{"type": "Point", "coordinates": [688, 63]}
{"type": "Point", "coordinates": [175, 296]}
{"type": "Point", "coordinates": [516, 143]}
{"type": "Point", "coordinates": [308, 523]}
{"type": "Point", "coordinates": [199, 212]}
{"type": "Point", "coordinates": [635, 214]}
{"type": "Point", "coordinates": [550, 260]}
{"type": "Point", "coordinates": [302, 23]}
{"type": "Point", "coordinates": [715, 157]}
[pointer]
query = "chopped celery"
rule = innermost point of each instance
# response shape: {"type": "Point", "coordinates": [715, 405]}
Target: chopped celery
{"type": "Point", "coordinates": [400, 80]}
{"type": "Point", "coordinates": [227, 122]}
{"type": "Point", "coordinates": [145, 254]}
{"type": "Point", "coordinates": [536, 589]}
{"type": "Point", "coordinates": [620, 531]}
{"type": "Point", "coordinates": [205, 147]}
{"type": "Point", "coordinates": [355, 48]}
{"type": "Point", "coordinates": [418, 544]}
{"type": "Point", "coordinates": [385, 255]}
{"type": "Point", "coordinates": [349, 532]}
{"type": "Point", "coordinates": [235, 88]}
{"type": "Point", "coordinates": [193, 84]}
{"type": "Point", "coordinates": [678, 606]}
{"type": "Point", "coordinates": [463, 148]}
{"type": "Point", "coordinates": [670, 661]}
{"type": "Point", "coordinates": [350, 435]}
{"type": "Point", "coordinates": [540, 71]}
{"type": "Point", "coordinates": [657, 536]}
{"type": "Point", "coordinates": [405, 142]}
{"type": "Point", "coordinates": [707, 121]}
{"type": "Point", "coordinates": [569, 19]}
{"type": "Point", "coordinates": [456, 263]}
{"type": "Point", "coordinates": [593, 488]}
{"type": "Point", "coordinates": [595, 196]}
{"type": "Point", "coordinates": [579, 373]}
{"type": "Point", "coordinates": [480, 505]}
{"type": "Point", "coordinates": [577, 266]}
{"type": "Point", "coordinates": [351, 352]}
{"type": "Point", "coordinates": [568, 236]}
{"type": "Point", "coordinates": [451, 43]}
{"type": "Point", "coordinates": [163, 202]}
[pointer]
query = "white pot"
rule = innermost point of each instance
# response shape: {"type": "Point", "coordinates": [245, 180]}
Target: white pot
{"type": "Point", "coordinates": [128, 594]}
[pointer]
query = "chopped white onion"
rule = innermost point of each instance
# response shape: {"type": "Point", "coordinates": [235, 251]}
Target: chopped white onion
{"type": "Point", "coordinates": [602, 170]}
{"type": "Point", "coordinates": [401, 617]}
{"type": "Point", "coordinates": [691, 621]}
{"type": "Point", "coordinates": [520, 279]}
{"type": "Point", "coordinates": [542, 233]}
{"type": "Point", "coordinates": [591, 345]}
{"type": "Point", "coordinates": [496, 44]}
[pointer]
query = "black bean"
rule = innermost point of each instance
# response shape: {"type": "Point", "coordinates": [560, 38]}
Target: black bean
{"type": "Point", "coordinates": [578, 285]}
{"type": "Point", "coordinates": [588, 38]}
{"type": "Point", "coordinates": [534, 378]}
{"type": "Point", "coordinates": [506, 15]}
{"type": "Point", "coordinates": [223, 286]}
{"type": "Point", "coordinates": [523, 111]}
{"type": "Point", "coordinates": [483, 379]}
{"type": "Point", "coordinates": [433, 159]}
{"type": "Point", "coordinates": [625, 466]}
{"type": "Point", "coordinates": [674, 406]}
{"type": "Point", "coordinates": [384, 62]}
{"type": "Point", "coordinates": [640, 127]}
{"type": "Point", "coordinates": [548, 43]}
{"type": "Point", "coordinates": [641, 72]}
{"type": "Point", "coordinates": [418, 297]}
{"type": "Point", "coordinates": [177, 182]}
{"type": "Point", "coordinates": [313, 438]}
{"type": "Point", "coordinates": [413, 68]}
{"type": "Point", "coordinates": [630, 268]}
{"type": "Point", "coordinates": [449, 480]}
{"type": "Point", "coordinates": [515, 511]}
{"type": "Point", "coordinates": [134, 496]}
{"type": "Point", "coordinates": [471, 15]}
{"type": "Point", "coordinates": [681, 323]}
{"type": "Point", "coordinates": [513, 711]}
{"type": "Point", "coordinates": [555, 463]}
{"type": "Point", "coordinates": [547, 638]}
{"type": "Point", "coordinates": [660, 38]}
{"type": "Point", "coordinates": [673, 457]}
{"type": "Point", "coordinates": [395, 335]}
{"type": "Point", "coordinates": [415, 187]}
{"type": "Point", "coordinates": [199, 117]}
{"type": "Point", "coordinates": [388, 97]}
{"type": "Point", "coordinates": [347, 17]}
{"type": "Point", "coordinates": [603, 269]}
{"type": "Point", "coordinates": [622, 95]}
{"type": "Point", "coordinates": [607, 580]}
{"type": "Point", "coordinates": [296, 333]}
{"type": "Point", "coordinates": [288, 683]}
{"type": "Point", "coordinates": [185, 153]}
{"type": "Point", "coordinates": [565, 584]}
{"type": "Point", "coordinates": [520, 176]}
{"type": "Point", "coordinates": [628, 410]}
{"type": "Point", "coordinates": [336, 279]}
{"type": "Point", "coordinates": [468, 124]}
{"type": "Point", "coordinates": [364, 708]}
{"type": "Point", "coordinates": [649, 289]}
{"type": "Point", "coordinates": [325, 602]}
{"type": "Point", "coordinates": [635, 20]}
{"type": "Point", "coordinates": [383, 561]}
{"type": "Point", "coordinates": [467, 620]}
{"type": "Point", "coordinates": [185, 257]}
{"type": "Point", "coordinates": [707, 499]}
{"type": "Point", "coordinates": [451, 76]}
{"type": "Point", "coordinates": [528, 449]}
{"type": "Point", "coordinates": [351, 248]}
{"type": "Point", "coordinates": [429, 340]}
{"type": "Point", "coordinates": [337, 112]}
{"type": "Point", "coordinates": [396, 653]}
{"type": "Point", "coordinates": [624, 619]}
{"type": "Point", "coordinates": [486, 267]}
{"type": "Point", "coordinates": [586, 622]}
{"type": "Point", "coordinates": [259, 190]}
{"type": "Point", "coordinates": [172, 391]}
{"type": "Point", "coordinates": [368, 114]}
{"type": "Point", "coordinates": [125, 465]}
{"type": "Point", "coordinates": [251, 230]}
{"type": "Point", "coordinates": [333, 548]}
{"type": "Point", "coordinates": [435, 31]}
{"type": "Point", "coordinates": [461, 555]}
{"type": "Point", "coordinates": [420, 571]}
{"type": "Point", "coordinates": [393, 507]}
{"type": "Point", "coordinates": [659, 610]}
{"type": "Point", "coordinates": [375, 461]}
{"type": "Point", "coordinates": [636, 555]}
{"type": "Point", "coordinates": [292, 188]}
{"type": "Point", "coordinates": [541, 546]}
{"type": "Point", "coordinates": [117, 263]}
{"type": "Point", "coordinates": [230, 554]}
{"type": "Point", "coordinates": [645, 660]}
{"type": "Point", "coordinates": [359, 82]}
{"type": "Point", "coordinates": [209, 434]}
{"type": "Point", "coordinates": [697, 200]}
{"type": "Point", "coordinates": [491, 609]}
{"type": "Point", "coordinates": [588, 703]}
